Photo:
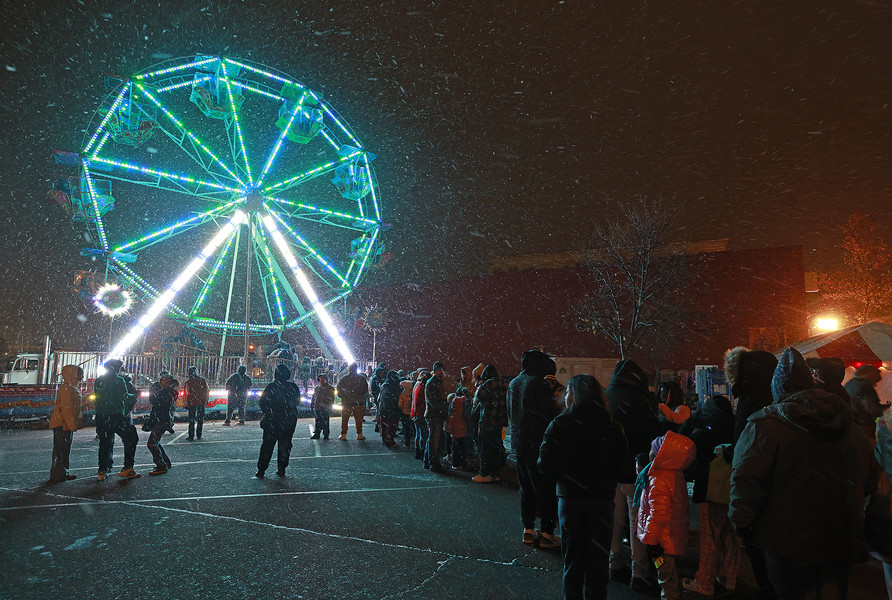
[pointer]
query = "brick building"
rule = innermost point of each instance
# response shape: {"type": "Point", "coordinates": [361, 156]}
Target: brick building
{"type": "Point", "coordinates": [754, 298]}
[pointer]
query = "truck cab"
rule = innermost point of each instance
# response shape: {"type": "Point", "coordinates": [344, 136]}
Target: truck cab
{"type": "Point", "coordinates": [24, 369]}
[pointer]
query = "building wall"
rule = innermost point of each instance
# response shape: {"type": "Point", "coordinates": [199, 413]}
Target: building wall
{"type": "Point", "coordinates": [493, 319]}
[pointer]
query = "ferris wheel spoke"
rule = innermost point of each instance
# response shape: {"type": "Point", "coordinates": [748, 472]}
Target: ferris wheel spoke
{"type": "Point", "coordinates": [308, 248]}
{"type": "Point", "coordinates": [270, 222]}
{"type": "Point", "coordinates": [312, 313]}
{"type": "Point", "coordinates": [195, 143]}
{"type": "Point", "coordinates": [164, 300]}
{"type": "Point", "coordinates": [315, 214]}
{"type": "Point", "coordinates": [162, 179]}
{"type": "Point", "coordinates": [311, 174]}
{"type": "Point", "coordinates": [196, 306]}
{"type": "Point", "coordinates": [262, 242]}
{"type": "Point", "coordinates": [272, 155]}
{"type": "Point", "coordinates": [234, 119]}
{"type": "Point", "coordinates": [176, 229]}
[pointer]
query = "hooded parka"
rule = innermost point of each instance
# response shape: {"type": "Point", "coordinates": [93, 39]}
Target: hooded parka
{"type": "Point", "coordinates": [389, 396]}
{"type": "Point", "coordinates": [801, 473]}
{"type": "Point", "coordinates": [749, 373]}
{"type": "Point", "coordinates": [530, 404]}
{"type": "Point", "coordinates": [664, 517]}
{"type": "Point", "coordinates": [280, 399]}
{"type": "Point", "coordinates": [627, 395]}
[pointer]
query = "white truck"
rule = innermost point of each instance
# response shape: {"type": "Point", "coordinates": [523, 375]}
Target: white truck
{"type": "Point", "coordinates": [39, 369]}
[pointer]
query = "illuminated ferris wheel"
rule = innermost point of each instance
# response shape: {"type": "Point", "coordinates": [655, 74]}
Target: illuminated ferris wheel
{"type": "Point", "coordinates": [237, 188]}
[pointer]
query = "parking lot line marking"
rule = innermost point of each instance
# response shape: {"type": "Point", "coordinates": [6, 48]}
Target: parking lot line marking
{"type": "Point", "coordinates": [145, 501]}
{"type": "Point", "coordinates": [147, 504]}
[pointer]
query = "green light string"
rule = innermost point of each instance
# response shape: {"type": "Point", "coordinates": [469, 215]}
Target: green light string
{"type": "Point", "coordinates": [210, 281]}
{"type": "Point", "coordinates": [148, 171]}
{"type": "Point", "coordinates": [188, 133]}
{"type": "Point", "coordinates": [306, 246]}
{"type": "Point", "coordinates": [177, 68]}
{"type": "Point", "coordinates": [108, 115]}
{"type": "Point", "coordinates": [238, 127]}
{"type": "Point", "coordinates": [313, 172]}
{"type": "Point", "coordinates": [178, 225]}
{"type": "Point", "coordinates": [272, 273]}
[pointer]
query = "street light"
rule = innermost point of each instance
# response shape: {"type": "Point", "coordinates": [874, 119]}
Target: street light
{"type": "Point", "coordinates": [827, 324]}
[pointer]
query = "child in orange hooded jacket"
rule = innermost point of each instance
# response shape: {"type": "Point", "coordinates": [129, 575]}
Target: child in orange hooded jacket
{"type": "Point", "coordinates": [663, 519]}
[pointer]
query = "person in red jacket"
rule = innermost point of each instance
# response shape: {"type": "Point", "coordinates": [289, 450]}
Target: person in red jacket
{"type": "Point", "coordinates": [663, 519]}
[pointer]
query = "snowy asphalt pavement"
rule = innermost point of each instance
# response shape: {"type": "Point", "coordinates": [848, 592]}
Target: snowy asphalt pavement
{"type": "Point", "coordinates": [350, 520]}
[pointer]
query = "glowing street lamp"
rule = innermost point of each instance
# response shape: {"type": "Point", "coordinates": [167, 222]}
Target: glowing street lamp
{"type": "Point", "coordinates": [827, 324]}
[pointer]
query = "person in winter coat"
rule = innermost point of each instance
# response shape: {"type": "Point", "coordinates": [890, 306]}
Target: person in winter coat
{"type": "Point", "coordinates": [419, 406]}
{"type": "Point", "coordinates": [883, 452]}
{"type": "Point", "coordinates": [663, 519]}
{"type": "Point", "coordinates": [711, 426]}
{"type": "Point", "coordinates": [671, 408]}
{"type": "Point", "coordinates": [627, 394]}
{"type": "Point", "coordinates": [196, 399]}
{"type": "Point", "coordinates": [112, 401]}
{"type": "Point", "coordinates": [435, 413]}
{"type": "Point", "coordinates": [490, 416]}
{"type": "Point", "coordinates": [156, 387]}
{"type": "Point", "coordinates": [389, 408]}
{"type": "Point", "coordinates": [800, 476]}
{"type": "Point", "coordinates": [866, 407]}
{"type": "Point", "coordinates": [352, 390]}
{"type": "Point", "coordinates": [279, 403]}
{"type": "Point", "coordinates": [530, 410]}
{"type": "Point", "coordinates": [457, 427]}
{"type": "Point", "coordinates": [323, 400]}
{"type": "Point", "coordinates": [467, 388]}
{"type": "Point", "coordinates": [828, 374]}
{"type": "Point", "coordinates": [407, 383]}
{"type": "Point", "coordinates": [162, 403]}
{"type": "Point", "coordinates": [749, 373]}
{"type": "Point", "coordinates": [304, 371]}
{"type": "Point", "coordinates": [585, 451]}
{"type": "Point", "coordinates": [379, 376]}
{"type": "Point", "coordinates": [237, 387]}
{"type": "Point", "coordinates": [65, 420]}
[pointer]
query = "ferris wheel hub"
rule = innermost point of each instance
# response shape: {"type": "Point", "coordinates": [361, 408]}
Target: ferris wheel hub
{"type": "Point", "coordinates": [253, 202]}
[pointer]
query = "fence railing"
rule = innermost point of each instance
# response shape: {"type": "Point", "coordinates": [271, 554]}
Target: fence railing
{"type": "Point", "coordinates": [144, 369]}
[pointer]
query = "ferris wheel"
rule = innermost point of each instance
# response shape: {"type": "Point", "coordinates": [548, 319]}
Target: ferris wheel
{"type": "Point", "coordinates": [243, 203]}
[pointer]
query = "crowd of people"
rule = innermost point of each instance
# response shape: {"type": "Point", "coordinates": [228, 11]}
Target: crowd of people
{"type": "Point", "coordinates": [784, 473]}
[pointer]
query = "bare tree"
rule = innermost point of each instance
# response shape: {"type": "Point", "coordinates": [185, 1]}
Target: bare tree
{"type": "Point", "coordinates": [637, 277]}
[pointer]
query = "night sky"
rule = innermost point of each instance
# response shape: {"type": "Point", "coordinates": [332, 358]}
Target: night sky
{"type": "Point", "coordinates": [506, 128]}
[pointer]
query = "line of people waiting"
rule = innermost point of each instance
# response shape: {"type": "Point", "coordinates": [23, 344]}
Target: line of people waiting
{"type": "Point", "coordinates": [786, 474]}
